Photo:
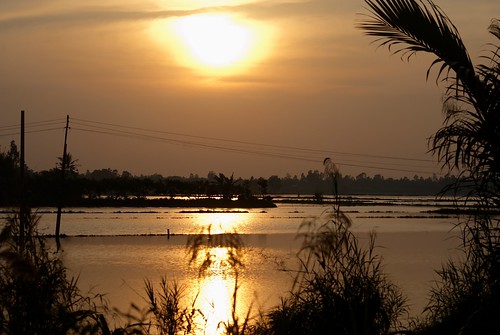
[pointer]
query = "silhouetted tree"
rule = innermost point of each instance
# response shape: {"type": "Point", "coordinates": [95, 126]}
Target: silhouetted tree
{"type": "Point", "coordinates": [9, 175]}
{"type": "Point", "coordinates": [468, 299]}
{"type": "Point", "coordinates": [274, 184]}
{"type": "Point", "coordinates": [469, 141]}
{"type": "Point", "coordinates": [13, 154]}
{"type": "Point", "coordinates": [227, 185]}
{"type": "Point", "coordinates": [262, 183]}
{"type": "Point", "coordinates": [102, 174]}
{"type": "Point", "coordinates": [71, 165]}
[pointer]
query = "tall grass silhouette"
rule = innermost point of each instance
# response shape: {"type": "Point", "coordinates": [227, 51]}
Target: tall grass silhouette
{"type": "Point", "coordinates": [36, 295]}
{"type": "Point", "coordinates": [340, 287]}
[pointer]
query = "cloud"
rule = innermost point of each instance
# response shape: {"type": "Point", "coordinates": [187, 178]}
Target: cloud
{"type": "Point", "coordinates": [89, 15]}
{"type": "Point", "coordinates": [95, 15]}
{"type": "Point", "coordinates": [273, 9]}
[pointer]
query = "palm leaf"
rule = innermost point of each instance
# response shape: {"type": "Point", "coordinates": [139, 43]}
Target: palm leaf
{"type": "Point", "coordinates": [407, 27]}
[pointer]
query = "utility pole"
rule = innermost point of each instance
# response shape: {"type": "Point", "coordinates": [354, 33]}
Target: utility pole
{"type": "Point", "coordinates": [22, 198]}
{"type": "Point", "coordinates": [63, 177]}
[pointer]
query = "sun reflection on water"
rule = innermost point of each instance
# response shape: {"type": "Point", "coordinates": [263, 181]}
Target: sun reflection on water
{"type": "Point", "coordinates": [223, 222]}
{"type": "Point", "coordinates": [215, 301]}
{"type": "Point", "coordinates": [219, 259]}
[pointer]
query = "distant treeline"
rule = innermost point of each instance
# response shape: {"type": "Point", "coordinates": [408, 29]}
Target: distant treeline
{"type": "Point", "coordinates": [312, 183]}
{"type": "Point", "coordinates": [43, 188]}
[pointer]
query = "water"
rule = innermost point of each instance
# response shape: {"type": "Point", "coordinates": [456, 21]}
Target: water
{"type": "Point", "coordinates": [383, 214]}
{"type": "Point", "coordinates": [114, 250]}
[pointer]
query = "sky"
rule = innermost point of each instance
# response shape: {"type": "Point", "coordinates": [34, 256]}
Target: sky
{"type": "Point", "coordinates": [254, 88]}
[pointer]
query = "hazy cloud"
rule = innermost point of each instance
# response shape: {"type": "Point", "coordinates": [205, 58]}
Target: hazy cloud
{"type": "Point", "coordinates": [102, 15]}
{"type": "Point", "coordinates": [92, 15]}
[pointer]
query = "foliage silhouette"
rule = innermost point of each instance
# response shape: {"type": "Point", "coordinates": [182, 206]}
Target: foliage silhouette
{"type": "Point", "coordinates": [227, 186]}
{"type": "Point", "coordinates": [70, 164]}
{"type": "Point", "coordinates": [340, 287]}
{"type": "Point", "coordinates": [9, 175]}
{"type": "Point", "coordinates": [36, 297]}
{"type": "Point", "coordinates": [169, 317]}
{"type": "Point", "coordinates": [467, 297]}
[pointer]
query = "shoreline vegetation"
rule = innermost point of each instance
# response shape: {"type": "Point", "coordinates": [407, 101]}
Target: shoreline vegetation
{"type": "Point", "coordinates": [443, 206]}
{"type": "Point", "coordinates": [108, 187]}
{"type": "Point", "coordinates": [143, 202]}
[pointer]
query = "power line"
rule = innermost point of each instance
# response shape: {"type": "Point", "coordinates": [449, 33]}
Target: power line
{"type": "Point", "coordinates": [301, 157]}
{"type": "Point", "coordinates": [31, 131]}
{"type": "Point", "coordinates": [13, 130]}
{"type": "Point", "coordinates": [32, 124]}
{"type": "Point", "coordinates": [193, 144]}
{"type": "Point", "coordinates": [229, 145]}
{"type": "Point", "coordinates": [258, 144]}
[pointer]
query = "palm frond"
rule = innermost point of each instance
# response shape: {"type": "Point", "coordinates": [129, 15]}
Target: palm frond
{"type": "Point", "coordinates": [495, 28]}
{"type": "Point", "coordinates": [407, 27]}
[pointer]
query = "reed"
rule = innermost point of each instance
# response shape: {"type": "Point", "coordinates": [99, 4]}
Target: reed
{"type": "Point", "coordinates": [169, 317]}
{"type": "Point", "coordinates": [340, 287]}
{"type": "Point", "coordinates": [36, 295]}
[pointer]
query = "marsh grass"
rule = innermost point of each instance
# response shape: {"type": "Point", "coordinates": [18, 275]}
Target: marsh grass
{"type": "Point", "coordinates": [340, 287]}
{"type": "Point", "coordinates": [169, 316]}
{"type": "Point", "coordinates": [36, 296]}
{"type": "Point", "coordinates": [466, 297]}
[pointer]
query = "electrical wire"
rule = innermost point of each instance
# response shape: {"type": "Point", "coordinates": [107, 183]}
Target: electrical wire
{"type": "Point", "coordinates": [388, 163]}
{"type": "Point", "coordinates": [32, 127]}
{"type": "Point", "coordinates": [298, 153]}
{"type": "Point", "coordinates": [255, 143]}
{"type": "Point", "coordinates": [33, 124]}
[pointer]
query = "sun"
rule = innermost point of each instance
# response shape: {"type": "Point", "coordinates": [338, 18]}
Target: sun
{"type": "Point", "coordinates": [214, 40]}
{"type": "Point", "coordinates": [215, 44]}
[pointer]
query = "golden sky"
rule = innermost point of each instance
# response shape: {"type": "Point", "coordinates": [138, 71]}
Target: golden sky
{"type": "Point", "coordinates": [246, 87]}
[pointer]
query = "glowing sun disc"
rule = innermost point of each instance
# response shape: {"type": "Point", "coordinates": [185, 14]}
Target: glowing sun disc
{"type": "Point", "coordinates": [214, 40]}
{"type": "Point", "coordinates": [214, 45]}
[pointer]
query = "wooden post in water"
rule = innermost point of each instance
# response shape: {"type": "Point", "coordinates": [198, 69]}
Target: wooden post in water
{"type": "Point", "coordinates": [22, 194]}
{"type": "Point", "coordinates": [61, 194]}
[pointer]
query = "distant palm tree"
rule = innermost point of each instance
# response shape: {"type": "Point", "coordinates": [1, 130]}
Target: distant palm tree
{"type": "Point", "coordinates": [469, 140]}
{"type": "Point", "coordinates": [227, 185]}
{"type": "Point", "coordinates": [71, 165]}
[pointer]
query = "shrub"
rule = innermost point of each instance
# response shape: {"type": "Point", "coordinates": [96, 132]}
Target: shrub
{"type": "Point", "coordinates": [35, 295]}
{"type": "Point", "coordinates": [466, 299]}
{"type": "Point", "coordinates": [340, 287]}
